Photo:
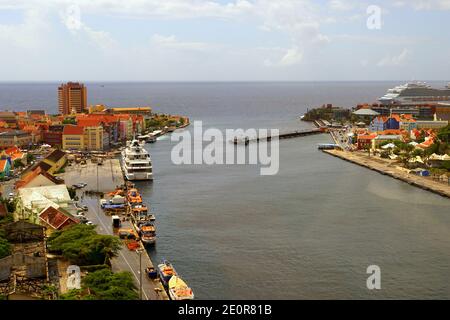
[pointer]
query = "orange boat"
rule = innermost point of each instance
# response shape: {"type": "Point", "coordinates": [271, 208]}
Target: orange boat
{"type": "Point", "coordinates": [133, 196]}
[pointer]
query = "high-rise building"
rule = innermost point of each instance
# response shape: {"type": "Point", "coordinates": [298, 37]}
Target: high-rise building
{"type": "Point", "coordinates": [72, 97]}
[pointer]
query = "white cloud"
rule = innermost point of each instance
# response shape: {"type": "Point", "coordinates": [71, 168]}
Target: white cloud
{"type": "Point", "coordinates": [397, 60]}
{"type": "Point", "coordinates": [424, 4]}
{"type": "Point", "coordinates": [171, 42]}
{"type": "Point", "coordinates": [27, 34]}
{"type": "Point", "coordinates": [283, 57]}
{"type": "Point", "coordinates": [341, 5]}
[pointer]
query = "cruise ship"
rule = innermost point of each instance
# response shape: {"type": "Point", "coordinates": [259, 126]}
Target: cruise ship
{"type": "Point", "coordinates": [416, 93]}
{"type": "Point", "coordinates": [136, 162]}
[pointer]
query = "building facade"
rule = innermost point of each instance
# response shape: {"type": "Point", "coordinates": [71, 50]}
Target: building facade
{"type": "Point", "coordinates": [72, 97]}
{"type": "Point", "coordinates": [15, 138]}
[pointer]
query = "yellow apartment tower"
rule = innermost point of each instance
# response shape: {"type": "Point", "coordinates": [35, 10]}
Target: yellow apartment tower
{"type": "Point", "coordinates": [72, 97]}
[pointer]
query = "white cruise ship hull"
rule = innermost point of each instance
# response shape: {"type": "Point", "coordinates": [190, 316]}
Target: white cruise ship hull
{"type": "Point", "coordinates": [138, 176]}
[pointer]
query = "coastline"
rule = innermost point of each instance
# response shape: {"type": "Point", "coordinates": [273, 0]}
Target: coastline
{"type": "Point", "coordinates": [385, 169]}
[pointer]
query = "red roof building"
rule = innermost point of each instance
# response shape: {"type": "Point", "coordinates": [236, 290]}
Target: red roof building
{"type": "Point", "coordinates": [73, 130]}
{"type": "Point", "coordinates": [56, 219]}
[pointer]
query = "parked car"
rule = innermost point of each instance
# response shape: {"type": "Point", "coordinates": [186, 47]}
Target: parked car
{"type": "Point", "coordinates": [85, 208]}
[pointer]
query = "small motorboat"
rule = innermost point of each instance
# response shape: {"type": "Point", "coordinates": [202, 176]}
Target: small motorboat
{"type": "Point", "coordinates": [166, 271]}
{"type": "Point", "coordinates": [179, 290]}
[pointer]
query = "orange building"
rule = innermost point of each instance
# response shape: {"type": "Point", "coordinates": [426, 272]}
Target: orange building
{"type": "Point", "coordinates": [72, 97]}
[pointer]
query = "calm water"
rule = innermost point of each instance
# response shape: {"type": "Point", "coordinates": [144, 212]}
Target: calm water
{"type": "Point", "coordinates": [308, 232]}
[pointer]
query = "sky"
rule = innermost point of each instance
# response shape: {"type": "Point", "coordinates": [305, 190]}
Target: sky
{"type": "Point", "coordinates": [224, 40]}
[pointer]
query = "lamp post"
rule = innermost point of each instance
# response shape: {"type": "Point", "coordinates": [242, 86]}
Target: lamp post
{"type": "Point", "coordinates": [139, 251]}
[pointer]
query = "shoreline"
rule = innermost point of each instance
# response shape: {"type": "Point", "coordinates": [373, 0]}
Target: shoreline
{"type": "Point", "coordinates": [384, 169]}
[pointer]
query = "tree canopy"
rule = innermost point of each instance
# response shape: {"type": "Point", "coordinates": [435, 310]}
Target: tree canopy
{"type": "Point", "coordinates": [81, 244]}
{"type": "Point", "coordinates": [104, 285]}
{"type": "Point", "coordinates": [5, 246]}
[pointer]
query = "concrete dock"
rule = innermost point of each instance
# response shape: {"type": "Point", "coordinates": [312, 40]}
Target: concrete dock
{"type": "Point", "coordinates": [103, 178]}
{"type": "Point", "coordinates": [386, 168]}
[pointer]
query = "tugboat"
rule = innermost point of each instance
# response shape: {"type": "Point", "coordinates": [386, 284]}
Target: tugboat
{"type": "Point", "coordinates": [179, 290]}
{"type": "Point", "coordinates": [166, 271]}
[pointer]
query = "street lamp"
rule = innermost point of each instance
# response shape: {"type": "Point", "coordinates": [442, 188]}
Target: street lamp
{"type": "Point", "coordinates": [139, 252]}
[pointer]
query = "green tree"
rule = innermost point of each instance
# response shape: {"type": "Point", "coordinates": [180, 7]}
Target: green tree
{"type": "Point", "coordinates": [72, 192]}
{"type": "Point", "coordinates": [18, 164]}
{"type": "Point", "coordinates": [105, 285]}
{"type": "Point", "coordinates": [444, 134]}
{"type": "Point", "coordinates": [80, 244]}
{"type": "Point", "coordinates": [5, 246]}
{"type": "Point", "coordinates": [30, 157]}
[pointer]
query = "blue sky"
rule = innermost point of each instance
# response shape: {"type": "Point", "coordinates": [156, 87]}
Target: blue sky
{"type": "Point", "coordinates": [223, 40]}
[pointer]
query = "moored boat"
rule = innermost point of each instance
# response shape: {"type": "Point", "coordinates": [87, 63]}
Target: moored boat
{"type": "Point", "coordinates": [166, 271]}
{"type": "Point", "coordinates": [148, 234]}
{"type": "Point", "coordinates": [134, 197]}
{"type": "Point", "coordinates": [136, 162]}
{"type": "Point", "coordinates": [179, 290]}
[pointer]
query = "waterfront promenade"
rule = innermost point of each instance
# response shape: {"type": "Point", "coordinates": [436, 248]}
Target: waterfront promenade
{"type": "Point", "coordinates": [110, 175]}
{"type": "Point", "coordinates": [389, 169]}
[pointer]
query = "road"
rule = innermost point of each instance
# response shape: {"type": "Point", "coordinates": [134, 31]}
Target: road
{"type": "Point", "coordinates": [127, 260]}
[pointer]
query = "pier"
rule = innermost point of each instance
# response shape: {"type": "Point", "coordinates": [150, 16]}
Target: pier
{"type": "Point", "coordinates": [288, 135]}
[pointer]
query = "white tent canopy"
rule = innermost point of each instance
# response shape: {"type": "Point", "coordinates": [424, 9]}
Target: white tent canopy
{"type": "Point", "coordinates": [388, 146]}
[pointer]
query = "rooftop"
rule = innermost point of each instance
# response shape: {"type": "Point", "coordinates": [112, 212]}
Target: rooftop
{"type": "Point", "coordinates": [365, 112]}
{"type": "Point", "coordinates": [56, 155]}
{"type": "Point", "coordinates": [55, 218]}
{"type": "Point", "coordinates": [73, 130]}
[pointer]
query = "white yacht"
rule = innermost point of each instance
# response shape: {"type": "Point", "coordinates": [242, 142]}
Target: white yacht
{"type": "Point", "coordinates": [416, 93]}
{"type": "Point", "coordinates": [136, 162]}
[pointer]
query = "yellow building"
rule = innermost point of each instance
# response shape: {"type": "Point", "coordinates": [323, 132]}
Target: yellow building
{"type": "Point", "coordinates": [56, 160]}
{"type": "Point", "coordinates": [96, 108]}
{"type": "Point", "coordinates": [93, 138]}
{"type": "Point", "coordinates": [84, 138]}
{"type": "Point", "coordinates": [73, 138]}
{"type": "Point", "coordinates": [143, 111]}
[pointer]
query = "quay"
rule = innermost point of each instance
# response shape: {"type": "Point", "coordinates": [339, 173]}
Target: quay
{"type": "Point", "coordinates": [385, 168]}
{"type": "Point", "coordinates": [288, 135]}
{"type": "Point", "coordinates": [104, 178]}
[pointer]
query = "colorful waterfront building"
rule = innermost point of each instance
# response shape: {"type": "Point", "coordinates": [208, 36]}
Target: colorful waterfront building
{"type": "Point", "coordinates": [93, 138]}
{"type": "Point", "coordinates": [379, 139]}
{"type": "Point", "coordinates": [378, 123]}
{"type": "Point", "coordinates": [364, 141]}
{"type": "Point", "coordinates": [5, 168]}
{"type": "Point", "coordinates": [13, 154]}
{"type": "Point", "coordinates": [73, 138]}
